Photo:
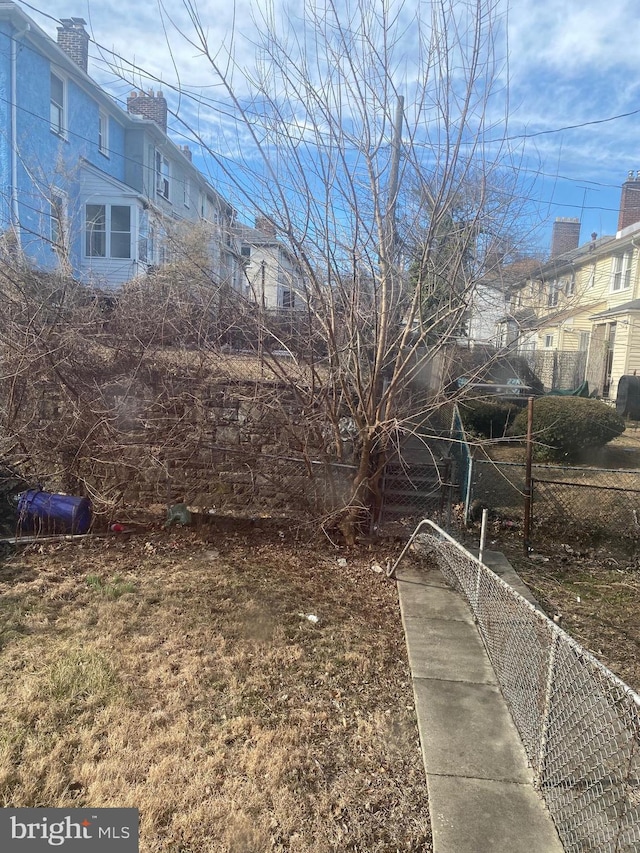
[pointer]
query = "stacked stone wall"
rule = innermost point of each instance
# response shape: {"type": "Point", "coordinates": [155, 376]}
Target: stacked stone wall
{"type": "Point", "coordinates": [220, 445]}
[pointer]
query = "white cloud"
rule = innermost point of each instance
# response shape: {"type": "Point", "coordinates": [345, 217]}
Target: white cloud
{"type": "Point", "coordinates": [569, 63]}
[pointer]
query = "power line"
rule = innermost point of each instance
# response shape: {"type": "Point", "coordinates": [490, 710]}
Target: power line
{"type": "Point", "coordinates": [125, 158]}
{"type": "Point", "coordinates": [572, 126]}
{"type": "Point", "coordinates": [200, 99]}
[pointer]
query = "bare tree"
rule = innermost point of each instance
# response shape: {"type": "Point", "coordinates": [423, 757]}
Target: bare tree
{"type": "Point", "coordinates": [371, 137]}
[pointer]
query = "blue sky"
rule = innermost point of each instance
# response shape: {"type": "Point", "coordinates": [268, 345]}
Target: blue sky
{"type": "Point", "coordinates": [573, 69]}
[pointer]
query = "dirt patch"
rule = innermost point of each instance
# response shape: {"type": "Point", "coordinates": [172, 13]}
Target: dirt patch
{"type": "Point", "coordinates": [246, 694]}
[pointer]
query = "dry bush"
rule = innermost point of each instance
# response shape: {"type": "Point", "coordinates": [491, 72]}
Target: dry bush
{"type": "Point", "coordinates": [100, 402]}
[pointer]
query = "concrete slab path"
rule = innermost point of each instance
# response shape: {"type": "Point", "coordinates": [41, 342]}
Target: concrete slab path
{"type": "Point", "coordinates": [480, 786]}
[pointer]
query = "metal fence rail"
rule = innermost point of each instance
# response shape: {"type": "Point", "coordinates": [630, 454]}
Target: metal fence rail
{"type": "Point", "coordinates": [461, 453]}
{"type": "Point", "coordinates": [579, 723]}
{"type": "Point", "coordinates": [243, 480]}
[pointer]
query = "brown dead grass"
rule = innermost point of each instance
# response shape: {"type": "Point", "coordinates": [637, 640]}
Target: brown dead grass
{"type": "Point", "coordinates": [185, 680]}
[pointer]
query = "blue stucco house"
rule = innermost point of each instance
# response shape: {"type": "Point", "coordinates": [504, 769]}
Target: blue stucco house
{"type": "Point", "coordinates": [85, 185]}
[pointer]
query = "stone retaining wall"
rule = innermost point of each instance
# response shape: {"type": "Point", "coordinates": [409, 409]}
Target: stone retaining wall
{"type": "Point", "coordinates": [218, 444]}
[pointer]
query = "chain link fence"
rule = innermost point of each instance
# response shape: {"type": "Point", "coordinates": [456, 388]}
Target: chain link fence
{"type": "Point", "coordinates": [557, 369]}
{"type": "Point", "coordinates": [579, 723]}
{"type": "Point", "coordinates": [412, 491]}
{"type": "Point", "coordinates": [588, 501]}
{"type": "Point", "coordinates": [246, 481]}
{"type": "Point", "coordinates": [602, 503]}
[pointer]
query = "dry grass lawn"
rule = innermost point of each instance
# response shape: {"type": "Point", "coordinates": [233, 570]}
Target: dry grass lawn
{"type": "Point", "coordinates": [182, 677]}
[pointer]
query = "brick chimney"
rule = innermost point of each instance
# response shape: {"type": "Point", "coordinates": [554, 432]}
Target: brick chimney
{"type": "Point", "coordinates": [630, 201]}
{"type": "Point", "coordinates": [265, 226]}
{"type": "Point", "coordinates": [565, 235]}
{"type": "Point", "coordinates": [74, 40]}
{"type": "Point", "coordinates": [151, 105]}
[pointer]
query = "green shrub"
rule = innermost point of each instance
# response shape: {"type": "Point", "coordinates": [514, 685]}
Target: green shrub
{"type": "Point", "coordinates": [487, 418]}
{"type": "Point", "coordinates": [565, 426]}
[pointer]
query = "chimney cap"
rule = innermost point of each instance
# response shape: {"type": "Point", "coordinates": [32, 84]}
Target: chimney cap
{"type": "Point", "coordinates": [73, 22]}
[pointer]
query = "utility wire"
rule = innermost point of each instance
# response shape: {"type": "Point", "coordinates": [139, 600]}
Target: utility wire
{"type": "Point", "coordinates": [180, 90]}
{"type": "Point", "coordinates": [221, 107]}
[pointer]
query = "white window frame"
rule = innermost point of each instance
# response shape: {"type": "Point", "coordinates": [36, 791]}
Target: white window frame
{"type": "Point", "coordinates": [548, 341]}
{"type": "Point", "coordinates": [58, 232]}
{"type": "Point", "coordinates": [621, 272]}
{"type": "Point", "coordinates": [58, 119]}
{"type": "Point", "coordinates": [553, 295]}
{"type": "Point", "coordinates": [571, 285]}
{"type": "Point", "coordinates": [103, 133]}
{"type": "Point", "coordinates": [163, 176]}
{"type": "Point", "coordinates": [291, 298]}
{"type": "Point", "coordinates": [108, 232]}
{"type": "Point", "coordinates": [186, 192]}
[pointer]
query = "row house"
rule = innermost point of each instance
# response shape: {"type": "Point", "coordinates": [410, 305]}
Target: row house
{"type": "Point", "coordinates": [490, 297]}
{"type": "Point", "coordinates": [273, 276]}
{"type": "Point", "coordinates": [577, 316]}
{"type": "Point", "coordinates": [86, 185]}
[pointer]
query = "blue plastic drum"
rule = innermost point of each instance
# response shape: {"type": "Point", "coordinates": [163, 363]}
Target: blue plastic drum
{"type": "Point", "coordinates": [45, 512]}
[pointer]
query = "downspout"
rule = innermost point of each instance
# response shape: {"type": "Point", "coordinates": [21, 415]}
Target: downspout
{"type": "Point", "coordinates": [634, 246]}
{"type": "Point", "coordinates": [15, 216]}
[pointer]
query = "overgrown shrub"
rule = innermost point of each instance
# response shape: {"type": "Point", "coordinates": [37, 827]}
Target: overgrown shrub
{"type": "Point", "coordinates": [489, 419]}
{"type": "Point", "coordinates": [565, 426]}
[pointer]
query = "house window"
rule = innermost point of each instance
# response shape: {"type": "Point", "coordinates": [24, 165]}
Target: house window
{"type": "Point", "coordinates": [288, 298]}
{"type": "Point", "coordinates": [186, 192]}
{"type": "Point", "coordinates": [548, 341]}
{"type": "Point", "coordinates": [57, 222]}
{"type": "Point", "coordinates": [552, 299]}
{"type": "Point", "coordinates": [103, 133]}
{"type": "Point", "coordinates": [57, 113]}
{"type": "Point", "coordinates": [245, 251]}
{"type": "Point", "coordinates": [96, 231]}
{"type": "Point", "coordinates": [583, 344]}
{"type": "Point", "coordinates": [162, 175]}
{"type": "Point", "coordinates": [592, 277]}
{"type": "Point", "coordinates": [108, 231]}
{"type": "Point", "coordinates": [621, 272]}
{"type": "Point", "coordinates": [120, 231]}
{"type": "Point", "coordinates": [571, 285]}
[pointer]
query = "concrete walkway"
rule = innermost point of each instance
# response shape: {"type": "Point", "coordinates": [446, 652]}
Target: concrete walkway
{"type": "Point", "coordinates": [481, 796]}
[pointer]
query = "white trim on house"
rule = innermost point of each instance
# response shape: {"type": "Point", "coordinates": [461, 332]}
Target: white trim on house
{"type": "Point", "coordinates": [58, 104]}
{"type": "Point", "coordinates": [621, 271]}
{"type": "Point", "coordinates": [103, 132]}
{"type": "Point", "coordinates": [99, 261]}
